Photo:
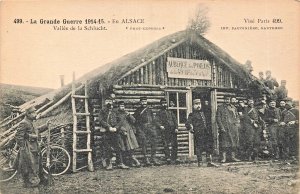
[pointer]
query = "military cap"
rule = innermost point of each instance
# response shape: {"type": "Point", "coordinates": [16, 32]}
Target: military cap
{"type": "Point", "coordinates": [272, 100]}
{"type": "Point", "coordinates": [121, 102]}
{"type": "Point", "coordinates": [108, 98]}
{"type": "Point", "coordinates": [196, 101]}
{"type": "Point", "coordinates": [250, 99]}
{"type": "Point", "coordinates": [163, 100]}
{"type": "Point", "coordinates": [143, 98]}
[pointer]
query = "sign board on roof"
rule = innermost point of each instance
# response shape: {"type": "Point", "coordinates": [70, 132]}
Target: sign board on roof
{"type": "Point", "coordinates": [188, 68]}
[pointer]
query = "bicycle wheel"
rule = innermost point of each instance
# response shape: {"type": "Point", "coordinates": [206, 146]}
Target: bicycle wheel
{"type": "Point", "coordinates": [60, 160]}
{"type": "Point", "coordinates": [7, 158]}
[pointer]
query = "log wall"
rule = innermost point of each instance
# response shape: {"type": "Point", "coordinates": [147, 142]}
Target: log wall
{"type": "Point", "coordinates": [131, 97]}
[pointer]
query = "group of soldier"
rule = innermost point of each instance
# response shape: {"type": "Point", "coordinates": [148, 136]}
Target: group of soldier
{"type": "Point", "coordinates": [123, 133]}
{"type": "Point", "coordinates": [245, 128]}
{"type": "Point", "coordinates": [242, 128]}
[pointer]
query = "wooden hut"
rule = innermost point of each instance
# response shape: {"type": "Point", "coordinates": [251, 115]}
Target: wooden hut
{"type": "Point", "coordinates": [179, 67]}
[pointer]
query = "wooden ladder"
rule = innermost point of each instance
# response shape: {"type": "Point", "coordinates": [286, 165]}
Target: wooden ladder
{"type": "Point", "coordinates": [87, 132]}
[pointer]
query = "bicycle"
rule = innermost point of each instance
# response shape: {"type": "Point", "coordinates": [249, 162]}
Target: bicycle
{"type": "Point", "coordinates": [60, 159]}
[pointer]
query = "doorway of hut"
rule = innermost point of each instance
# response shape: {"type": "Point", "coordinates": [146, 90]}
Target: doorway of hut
{"type": "Point", "coordinates": [205, 95]}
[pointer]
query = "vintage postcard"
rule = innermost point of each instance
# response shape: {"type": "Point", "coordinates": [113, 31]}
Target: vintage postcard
{"type": "Point", "coordinates": [196, 96]}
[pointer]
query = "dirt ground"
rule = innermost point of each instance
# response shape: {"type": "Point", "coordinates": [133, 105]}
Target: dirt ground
{"type": "Point", "coordinates": [262, 177]}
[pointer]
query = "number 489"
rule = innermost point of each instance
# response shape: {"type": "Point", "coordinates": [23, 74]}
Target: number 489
{"type": "Point", "coordinates": [18, 21]}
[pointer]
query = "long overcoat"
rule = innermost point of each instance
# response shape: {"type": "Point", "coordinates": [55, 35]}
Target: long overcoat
{"type": "Point", "coordinates": [202, 135]}
{"type": "Point", "coordinates": [29, 156]}
{"type": "Point", "coordinates": [125, 126]}
{"type": "Point", "coordinates": [228, 120]}
{"type": "Point", "coordinates": [107, 118]}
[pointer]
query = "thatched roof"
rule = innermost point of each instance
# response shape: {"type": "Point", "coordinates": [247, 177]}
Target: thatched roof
{"type": "Point", "coordinates": [109, 73]}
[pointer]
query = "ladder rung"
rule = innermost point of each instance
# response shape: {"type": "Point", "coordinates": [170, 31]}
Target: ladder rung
{"type": "Point", "coordinates": [79, 96]}
{"type": "Point", "coordinates": [82, 114]}
{"type": "Point", "coordinates": [83, 132]}
{"type": "Point", "coordinates": [83, 150]}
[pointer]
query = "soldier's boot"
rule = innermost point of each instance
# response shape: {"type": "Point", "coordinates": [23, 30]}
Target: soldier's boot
{"type": "Point", "coordinates": [223, 157]}
{"type": "Point", "coordinates": [209, 162]}
{"type": "Point", "coordinates": [154, 161]}
{"type": "Point", "coordinates": [123, 166]}
{"type": "Point", "coordinates": [146, 161]}
{"type": "Point", "coordinates": [234, 158]}
{"type": "Point", "coordinates": [136, 162]}
{"type": "Point", "coordinates": [277, 153]}
{"type": "Point", "coordinates": [199, 160]}
{"type": "Point", "coordinates": [26, 183]}
{"type": "Point", "coordinates": [250, 156]}
{"type": "Point", "coordinates": [109, 166]}
{"type": "Point", "coordinates": [104, 164]}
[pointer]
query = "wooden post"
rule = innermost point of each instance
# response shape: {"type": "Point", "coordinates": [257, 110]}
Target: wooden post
{"type": "Point", "coordinates": [146, 81]}
{"type": "Point", "coordinates": [86, 106]}
{"type": "Point", "coordinates": [150, 74]}
{"type": "Point", "coordinates": [191, 136]}
{"type": "Point", "coordinates": [63, 139]}
{"type": "Point", "coordinates": [74, 126]}
{"type": "Point", "coordinates": [213, 96]}
{"type": "Point", "coordinates": [142, 75]}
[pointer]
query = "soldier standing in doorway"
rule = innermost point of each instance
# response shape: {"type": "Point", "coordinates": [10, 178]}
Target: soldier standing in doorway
{"type": "Point", "coordinates": [197, 125]}
{"type": "Point", "coordinates": [146, 130]}
{"type": "Point", "coordinates": [228, 122]}
{"type": "Point", "coordinates": [167, 122]}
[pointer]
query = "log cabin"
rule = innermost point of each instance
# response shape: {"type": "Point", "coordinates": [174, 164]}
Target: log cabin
{"type": "Point", "coordinates": [179, 67]}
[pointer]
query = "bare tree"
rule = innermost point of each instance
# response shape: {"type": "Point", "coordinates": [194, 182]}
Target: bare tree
{"type": "Point", "coordinates": [199, 22]}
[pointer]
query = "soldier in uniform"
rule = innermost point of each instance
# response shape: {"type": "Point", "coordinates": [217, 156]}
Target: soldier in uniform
{"type": "Point", "coordinates": [229, 123]}
{"type": "Point", "coordinates": [146, 131]}
{"type": "Point", "coordinates": [253, 125]}
{"type": "Point", "coordinates": [281, 92]}
{"type": "Point", "coordinates": [167, 122]}
{"type": "Point", "coordinates": [112, 138]}
{"type": "Point", "coordinates": [203, 138]}
{"type": "Point", "coordinates": [290, 124]}
{"type": "Point", "coordinates": [272, 118]}
{"type": "Point", "coordinates": [128, 139]}
{"type": "Point", "coordinates": [270, 82]}
{"type": "Point", "coordinates": [281, 132]}
{"type": "Point", "coordinates": [282, 107]}
{"type": "Point", "coordinates": [29, 158]}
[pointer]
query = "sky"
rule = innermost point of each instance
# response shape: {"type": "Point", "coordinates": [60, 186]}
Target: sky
{"type": "Point", "coordinates": [36, 54]}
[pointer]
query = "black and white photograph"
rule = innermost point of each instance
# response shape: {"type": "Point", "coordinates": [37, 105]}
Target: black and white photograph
{"type": "Point", "coordinates": [105, 97]}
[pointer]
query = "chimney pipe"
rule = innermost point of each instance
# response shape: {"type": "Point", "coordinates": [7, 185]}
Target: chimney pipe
{"type": "Point", "coordinates": [62, 80]}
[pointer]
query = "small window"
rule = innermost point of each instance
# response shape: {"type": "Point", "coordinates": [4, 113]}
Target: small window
{"type": "Point", "coordinates": [178, 104]}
